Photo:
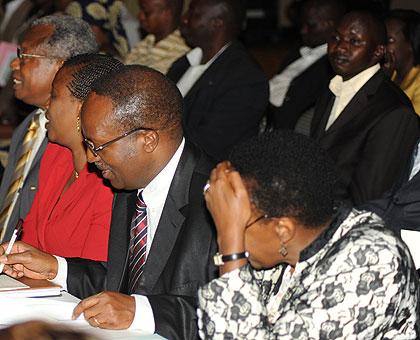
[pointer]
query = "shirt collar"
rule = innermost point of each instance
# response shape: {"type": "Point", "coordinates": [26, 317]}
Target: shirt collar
{"type": "Point", "coordinates": [161, 183]}
{"type": "Point", "coordinates": [354, 84]}
{"type": "Point", "coordinates": [195, 55]}
{"type": "Point", "coordinates": [42, 119]}
{"type": "Point", "coordinates": [318, 51]}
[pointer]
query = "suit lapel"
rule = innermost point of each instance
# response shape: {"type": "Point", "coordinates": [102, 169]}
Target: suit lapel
{"type": "Point", "coordinates": [178, 69]}
{"type": "Point", "coordinates": [119, 239]}
{"type": "Point", "coordinates": [171, 221]}
{"type": "Point", "coordinates": [321, 115]}
{"type": "Point", "coordinates": [357, 105]}
{"type": "Point", "coordinates": [208, 79]}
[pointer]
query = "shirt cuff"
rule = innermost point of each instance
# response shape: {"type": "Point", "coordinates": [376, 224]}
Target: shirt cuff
{"type": "Point", "coordinates": [144, 320]}
{"type": "Point", "coordinates": [61, 277]}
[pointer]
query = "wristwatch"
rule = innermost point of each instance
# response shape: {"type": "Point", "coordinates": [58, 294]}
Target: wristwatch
{"type": "Point", "coordinates": [220, 259]}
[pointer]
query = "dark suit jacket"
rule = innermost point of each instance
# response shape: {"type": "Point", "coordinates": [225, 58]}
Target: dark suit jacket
{"type": "Point", "coordinates": [179, 261]}
{"type": "Point", "coordinates": [226, 103]}
{"type": "Point", "coordinates": [400, 206]}
{"type": "Point", "coordinates": [370, 140]}
{"type": "Point", "coordinates": [30, 186]}
{"type": "Point", "coordinates": [303, 92]}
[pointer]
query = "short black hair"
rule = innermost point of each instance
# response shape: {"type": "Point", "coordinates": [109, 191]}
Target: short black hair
{"type": "Point", "coordinates": [410, 25]}
{"type": "Point", "coordinates": [87, 69]}
{"type": "Point", "coordinates": [142, 97]}
{"type": "Point", "coordinates": [293, 176]}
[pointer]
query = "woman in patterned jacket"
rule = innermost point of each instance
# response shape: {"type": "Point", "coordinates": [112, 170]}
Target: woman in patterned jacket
{"type": "Point", "coordinates": [327, 273]}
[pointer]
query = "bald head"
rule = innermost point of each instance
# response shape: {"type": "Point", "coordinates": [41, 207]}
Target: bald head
{"type": "Point", "coordinates": [212, 22]}
{"type": "Point", "coordinates": [143, 97]}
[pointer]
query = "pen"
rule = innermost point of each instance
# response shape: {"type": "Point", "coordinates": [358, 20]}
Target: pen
{"type": "Point", "coordinates": [16, 233]}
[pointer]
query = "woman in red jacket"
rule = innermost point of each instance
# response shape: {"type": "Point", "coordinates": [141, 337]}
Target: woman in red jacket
{"type": "Point", "coordinates": [71, 213]}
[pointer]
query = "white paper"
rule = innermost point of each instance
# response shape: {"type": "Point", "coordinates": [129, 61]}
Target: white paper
{"type": "Point", "coordinates": [8, 283]}
{"type": "Point", "coordinates": [412, 240]}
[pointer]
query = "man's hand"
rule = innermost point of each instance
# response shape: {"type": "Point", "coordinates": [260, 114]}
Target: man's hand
{"type": "Point", "coordinates": [107, 310]}
{"type": "Point", "coordinates": [28, 261]}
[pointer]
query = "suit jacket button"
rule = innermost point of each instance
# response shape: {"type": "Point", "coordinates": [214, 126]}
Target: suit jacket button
{"type": "Point", "coordinates": [396, 200]}
{"type": "Point", "coordinates": [32, 187]}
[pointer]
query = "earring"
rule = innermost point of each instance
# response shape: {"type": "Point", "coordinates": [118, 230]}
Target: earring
{"type": "Point", "coordinates": [78, 124]}
{"type": "Point", "coordinates": [283, 250]}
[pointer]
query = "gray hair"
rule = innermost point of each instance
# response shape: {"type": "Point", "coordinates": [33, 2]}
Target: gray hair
{"type": "Point", "coordinates": [71, 36]}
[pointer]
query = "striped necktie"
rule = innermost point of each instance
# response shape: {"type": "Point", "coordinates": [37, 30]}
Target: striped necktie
{"type": "Point", "coordinates": [18, 179]}
{"type": "Point", "coordinates": [137, 252]}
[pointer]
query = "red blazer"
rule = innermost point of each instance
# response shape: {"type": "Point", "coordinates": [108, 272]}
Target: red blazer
{"type": "Point", "coordinates": [77, 224]}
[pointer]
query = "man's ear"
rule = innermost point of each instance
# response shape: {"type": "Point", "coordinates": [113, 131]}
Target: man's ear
{"type": "Point", "coordinates": [150, 140]}
{"type": "Point", "coordinates": [285, 229]}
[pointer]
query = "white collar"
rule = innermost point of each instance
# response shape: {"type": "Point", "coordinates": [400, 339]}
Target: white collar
{"type": "Point", "coordinates": [195, 55]}
{"type": "Point", "coordinates": [354, 84]}
{"type": "Point", "coordinates": [159, 186]}
{"type": "Point", "coordinates": [318, 51]}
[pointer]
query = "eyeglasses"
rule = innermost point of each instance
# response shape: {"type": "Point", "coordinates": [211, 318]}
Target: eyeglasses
{"type": "Point", "coordinates": [22, 55]}
{"type": "Point", "coordinates": [256, 220]}
{"type": "Point", "coordinates": [95, 149]}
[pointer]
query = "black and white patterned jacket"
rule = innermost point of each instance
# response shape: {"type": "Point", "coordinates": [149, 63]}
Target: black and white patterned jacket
{"type": "Point", "coordinates": [356, 281]}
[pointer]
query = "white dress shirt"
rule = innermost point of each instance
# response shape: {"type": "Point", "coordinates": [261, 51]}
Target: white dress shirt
{"type": "Point", "coordinates": [196, 70]}
{"type": "Point", "coordinates": [344, 91]}
{"type": "Point", "coordinates": [280, 83]}
{"type": "Point", "coordinates": [154, 195]}
{"type": "Point", "coordinates": [37, 144]}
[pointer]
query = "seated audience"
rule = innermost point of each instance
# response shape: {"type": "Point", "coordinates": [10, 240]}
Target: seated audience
{"type": "Point", "coordinates": [164, 43]}
{"type": "Point", "coordinates": [162, 240]}
{"type": "Point", "coordinates": [364, 121]}
{"type": "Point", "coordinates": [292, 91]}
{"type": "Point", "coordinates": [46, 44]}
{"type": "Point", "coordinates": [294, 267]}
{"type": "Point", "coordinates": [71, 212]}
{"type": "Point", "coordinates": [403, 30]}
{"type": "Point", "coordinates": [103, 16]}
{"type": "Point", "coordinates": [225, 91]}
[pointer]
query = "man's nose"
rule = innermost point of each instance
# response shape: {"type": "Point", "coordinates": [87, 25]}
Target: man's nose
{"type": "Point", "coordinates": [15, 64]}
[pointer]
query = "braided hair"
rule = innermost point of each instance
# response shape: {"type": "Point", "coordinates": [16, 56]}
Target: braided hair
{"type": "Point", "coordinates": [87, 69]}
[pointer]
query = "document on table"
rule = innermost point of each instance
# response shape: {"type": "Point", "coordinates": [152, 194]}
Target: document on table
{"type": "Point", "coordinates": [412, 240]}
{"type": "Point", "coordinates": [59, 310]}
{"type": "Point", "coordinates": [24, 309]}
{"type": "Point", "coordinates": [7, 283]}
{"type": "Point", "coordinates": [13, 288]}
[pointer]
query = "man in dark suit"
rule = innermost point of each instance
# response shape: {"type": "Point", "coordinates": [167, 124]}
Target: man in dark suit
{"type": "Point", "coordinates": [46, 44]}
{"type": "Point", "coordinates": [295, 90]}
{"type": "Point", "coordinates": [365, 122]}
{"type": "Point", "coordinates": [225, 91]}
{"type": "Point", "coordinates": [132, 127]}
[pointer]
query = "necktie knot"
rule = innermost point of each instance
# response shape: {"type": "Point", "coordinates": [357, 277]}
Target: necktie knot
{"type": "Point", "coordinates": [140, 204]}
{"type": "Point", "coordinates": [34, 123]}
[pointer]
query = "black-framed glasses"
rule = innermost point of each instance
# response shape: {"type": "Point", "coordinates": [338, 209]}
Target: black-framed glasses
{"type": "Point", "coordinates": [21, 55]}
{"type": "Point", "coordinates": [95, 149]}
{"type": "Point", "coordinates": [259, 218]}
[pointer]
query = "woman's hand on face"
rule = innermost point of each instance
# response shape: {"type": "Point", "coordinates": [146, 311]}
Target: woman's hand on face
{"type": "Point", "coordinates": [228, 201]}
